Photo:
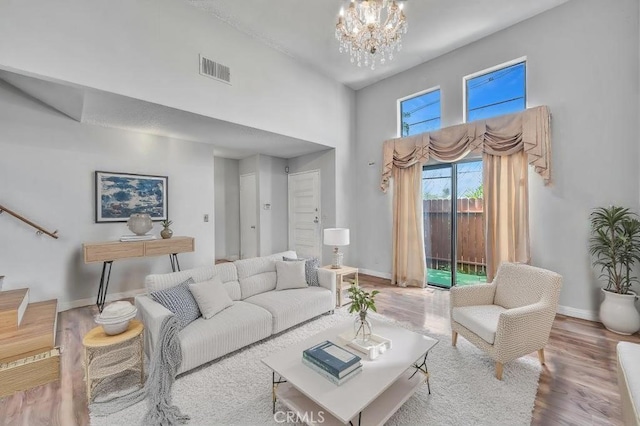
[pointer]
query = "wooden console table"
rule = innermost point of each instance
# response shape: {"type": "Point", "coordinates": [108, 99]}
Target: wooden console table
{"type": "Point", "coordinates": [107, 252]}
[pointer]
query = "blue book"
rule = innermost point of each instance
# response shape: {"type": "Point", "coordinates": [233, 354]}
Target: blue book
{"type": "Point", "coordinates": [326, 368]}
{"type": "Point", "coordinates": [329, 376]}
{"type": "Point", "coordinates": [331, 356]}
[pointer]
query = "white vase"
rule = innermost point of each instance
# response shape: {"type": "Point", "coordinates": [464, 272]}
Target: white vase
{"type": "Point", "coordinates": [140, 223]}
{"type": "Point", "coordinates": [618, 313]}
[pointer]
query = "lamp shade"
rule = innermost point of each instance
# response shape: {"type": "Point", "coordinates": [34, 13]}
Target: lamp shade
{"type": "Point", "coordinates": [336, 236]}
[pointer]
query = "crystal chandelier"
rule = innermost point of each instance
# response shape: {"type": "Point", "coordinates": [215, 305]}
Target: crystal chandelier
{"type": "Point", "coordinates": [368, 34]}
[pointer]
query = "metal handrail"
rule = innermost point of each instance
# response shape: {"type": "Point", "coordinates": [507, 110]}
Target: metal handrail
{"type": "Point", "coordinates": [39, 229]}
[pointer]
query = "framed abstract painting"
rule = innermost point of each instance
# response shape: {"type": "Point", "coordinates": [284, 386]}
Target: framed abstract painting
{"type": "Point", "coordinates": [119, 195]}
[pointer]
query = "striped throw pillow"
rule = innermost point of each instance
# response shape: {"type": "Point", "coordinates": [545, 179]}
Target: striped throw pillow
{"type": "Point", "coordinates": [180, 301]}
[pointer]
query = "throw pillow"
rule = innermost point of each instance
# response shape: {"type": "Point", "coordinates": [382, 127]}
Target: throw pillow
{"type": "Point", "coordinates": [311, 266]}
{"type": "Point", "coordinates": [211, 296]}
{"type": "Point", "coordinates": [180, 301]}
{"type": "Point", "coordinates": [290, 275]}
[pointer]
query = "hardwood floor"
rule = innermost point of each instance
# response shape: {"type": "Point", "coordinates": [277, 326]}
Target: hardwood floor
{"type": "Point", "coordinates": [578, 384]}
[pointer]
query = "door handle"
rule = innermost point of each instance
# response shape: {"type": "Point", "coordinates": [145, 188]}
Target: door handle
{"type": "Point", "coordinates": [253, 227]}
{"type": "Point", "coordinates": [316, 220]}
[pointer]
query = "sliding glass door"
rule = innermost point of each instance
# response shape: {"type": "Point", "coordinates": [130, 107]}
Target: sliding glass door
{"type": "Point", "coordinates": [453, 224]}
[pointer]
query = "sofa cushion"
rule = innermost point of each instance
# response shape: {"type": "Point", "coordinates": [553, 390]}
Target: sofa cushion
{"type": "Point", "coordinates": [179, 300]}
{"type": "Point", "coordinates": [311, 266]}
{"type": "Point", "coordinates": [235, 327]}
{"type": "Point", "coordinates": [229, 276]}
{"type": "Point", "coordinates": [211, 296]}
{"type": "Point", "coordinates": [290, 275]}
{"type": "Point", "coordinates": [481, 319]}
{"type": "Point", "coordinates": [278, 256]}
{"type": "Point", "coordinates": [156, 282]}
{"type": "Point", "coordinates": [291, 307]}
{"type": "Point", "coordinates": [256, 275]}
{"type": "Point", "coordinates": [629, 381]}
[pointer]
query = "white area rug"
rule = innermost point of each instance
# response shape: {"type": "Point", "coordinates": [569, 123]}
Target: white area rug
{"type": "Point", "coordinates": [236, 390]}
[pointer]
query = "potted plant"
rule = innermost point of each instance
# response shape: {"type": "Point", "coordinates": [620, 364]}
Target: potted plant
{"type": "Point", "coordinates": [361, 302]}
{"type": "Point", "coordinates": [166, 232]}
{"type": "Point", "coordinates": [615, 247]}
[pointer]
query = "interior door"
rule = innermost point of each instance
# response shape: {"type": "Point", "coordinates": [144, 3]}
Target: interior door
{"type": "Point", "coordinates": [248, 216]}
{"type": "Point", "coordinates": [304, 213]}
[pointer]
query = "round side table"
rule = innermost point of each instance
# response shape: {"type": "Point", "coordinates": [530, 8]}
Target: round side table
{"type": "Point", "coordinates": [106, 355]}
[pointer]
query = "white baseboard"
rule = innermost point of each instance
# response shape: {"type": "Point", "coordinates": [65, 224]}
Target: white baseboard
{"type": "Point", "coordinates": [578, 313]}
{"type": "Point", "coordinates": [384, 275]}
{"type": "Point", "coordinates": [65, 306]}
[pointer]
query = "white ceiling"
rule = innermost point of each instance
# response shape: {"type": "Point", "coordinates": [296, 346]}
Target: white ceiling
{"type": "Point", "coordinates": [90, 106]}
{"type": "Point", "coordinates": [230, 140]}
{"type": "Point", "coordinates": [305, 29]}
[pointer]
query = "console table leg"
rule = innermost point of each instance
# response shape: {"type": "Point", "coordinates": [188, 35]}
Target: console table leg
{"type": "Point", "coordinates": [175, 264]}
{"type": "Point", "coordinates": [104, 285]}
{"type": "Point", "coordinates": [359, 419]}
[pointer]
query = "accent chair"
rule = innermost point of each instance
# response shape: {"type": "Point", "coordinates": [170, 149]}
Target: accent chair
{"type": "Point", "coordinates": [510, 317]}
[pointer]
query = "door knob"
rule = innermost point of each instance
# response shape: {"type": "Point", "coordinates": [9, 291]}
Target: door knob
{"type": "Point", "coordinates": [253, 227]}
{"type": "Point", "coordinates": [316, 220]}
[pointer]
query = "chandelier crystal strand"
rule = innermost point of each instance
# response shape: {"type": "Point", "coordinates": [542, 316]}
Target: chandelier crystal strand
{"type": "Point", "coordinates": [367, 34]}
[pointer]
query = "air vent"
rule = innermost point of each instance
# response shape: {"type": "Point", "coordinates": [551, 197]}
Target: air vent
{"type": "Point", "coordinates": [214, 70]}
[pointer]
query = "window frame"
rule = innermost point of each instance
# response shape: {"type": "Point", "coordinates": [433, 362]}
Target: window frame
{"type": "Point", "coordinates": [466, 78]}
{"type": "Point", "coordinates": [413, 95]}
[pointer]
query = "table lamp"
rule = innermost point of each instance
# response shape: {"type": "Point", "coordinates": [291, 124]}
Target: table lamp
{"type": "Point", "coordinates": [336, 237]}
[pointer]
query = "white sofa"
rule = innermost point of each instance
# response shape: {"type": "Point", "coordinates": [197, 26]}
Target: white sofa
{"type": "Point", "coordinates": [629, 381]}
{"type": "Point", "coordinates": [258, 310]}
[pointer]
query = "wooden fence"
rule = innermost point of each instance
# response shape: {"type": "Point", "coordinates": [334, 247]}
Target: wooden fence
{"type": "Point", "coordinates": [437, 234]}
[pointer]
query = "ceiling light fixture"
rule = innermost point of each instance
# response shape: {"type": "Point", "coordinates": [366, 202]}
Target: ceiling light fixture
{"type": "Point", "coordinates": [368, 34]}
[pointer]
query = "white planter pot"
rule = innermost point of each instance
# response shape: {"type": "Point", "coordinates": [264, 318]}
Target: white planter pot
{"type": "Point", "coordinates": [618, 313]}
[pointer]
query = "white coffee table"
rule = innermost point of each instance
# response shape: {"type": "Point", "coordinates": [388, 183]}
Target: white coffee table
{"type": "Point", "coordinates": [370, 398]}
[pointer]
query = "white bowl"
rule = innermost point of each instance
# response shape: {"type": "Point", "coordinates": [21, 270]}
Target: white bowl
{"type": "Point", "coordinates": [100, 320]}
{"type": "Point", "coordinates": [117, 310]}
{"type": "Point", "coordinates": [115, 328]}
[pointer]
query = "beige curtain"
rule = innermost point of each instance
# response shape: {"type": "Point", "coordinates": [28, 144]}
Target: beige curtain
{"type": "Point", "coordinates": [528, 130]}
{"type": "Point", "coordinates": [408, 246]}
{"type": "Point", "coordinates": [525, 135]}
{"type": "Point", "coordinates": [506, 210]}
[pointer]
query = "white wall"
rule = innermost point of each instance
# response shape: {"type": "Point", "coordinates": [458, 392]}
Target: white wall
{"type": "Point", "coordinates": [148, 49]}
{"type": "Point", "coordinates": [249, 165]}
{"type": "Point", "coordinates": [272, 189]}
{"type": "Point", "coordinates": [582, 61]}
{"type": "Point", "coordinates": [325, 162]}
{"type": "Point", "coordinates": [227, 207]}
{"type": "Point", "coordinates": [47, 161]}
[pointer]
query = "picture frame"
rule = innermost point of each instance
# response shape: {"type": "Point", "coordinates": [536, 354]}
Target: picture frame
{"type": "Point", "coordinates": [119, 195]}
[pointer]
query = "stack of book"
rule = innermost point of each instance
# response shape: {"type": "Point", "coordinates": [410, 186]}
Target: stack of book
{"type": "Point", "coordinates": [332, 362]}
{"type": "Point", "coordinates": [133, 237]}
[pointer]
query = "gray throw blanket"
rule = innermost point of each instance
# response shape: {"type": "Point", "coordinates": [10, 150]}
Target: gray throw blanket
{"type": "Point", "coordinates": [164, 365]}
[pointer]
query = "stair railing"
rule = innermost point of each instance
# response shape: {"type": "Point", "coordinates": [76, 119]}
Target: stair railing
{"type": "Point", "coordinates": [39, 229]}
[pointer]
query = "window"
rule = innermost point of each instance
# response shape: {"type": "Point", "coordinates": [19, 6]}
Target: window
{"type": "Point", "coordinates": [420, 113]}
{"type": "Point", "coordinates": [496, 92]}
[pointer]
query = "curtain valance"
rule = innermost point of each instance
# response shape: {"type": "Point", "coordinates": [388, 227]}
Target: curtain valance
{"type": "Point", "coordinates": [528, 130]}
